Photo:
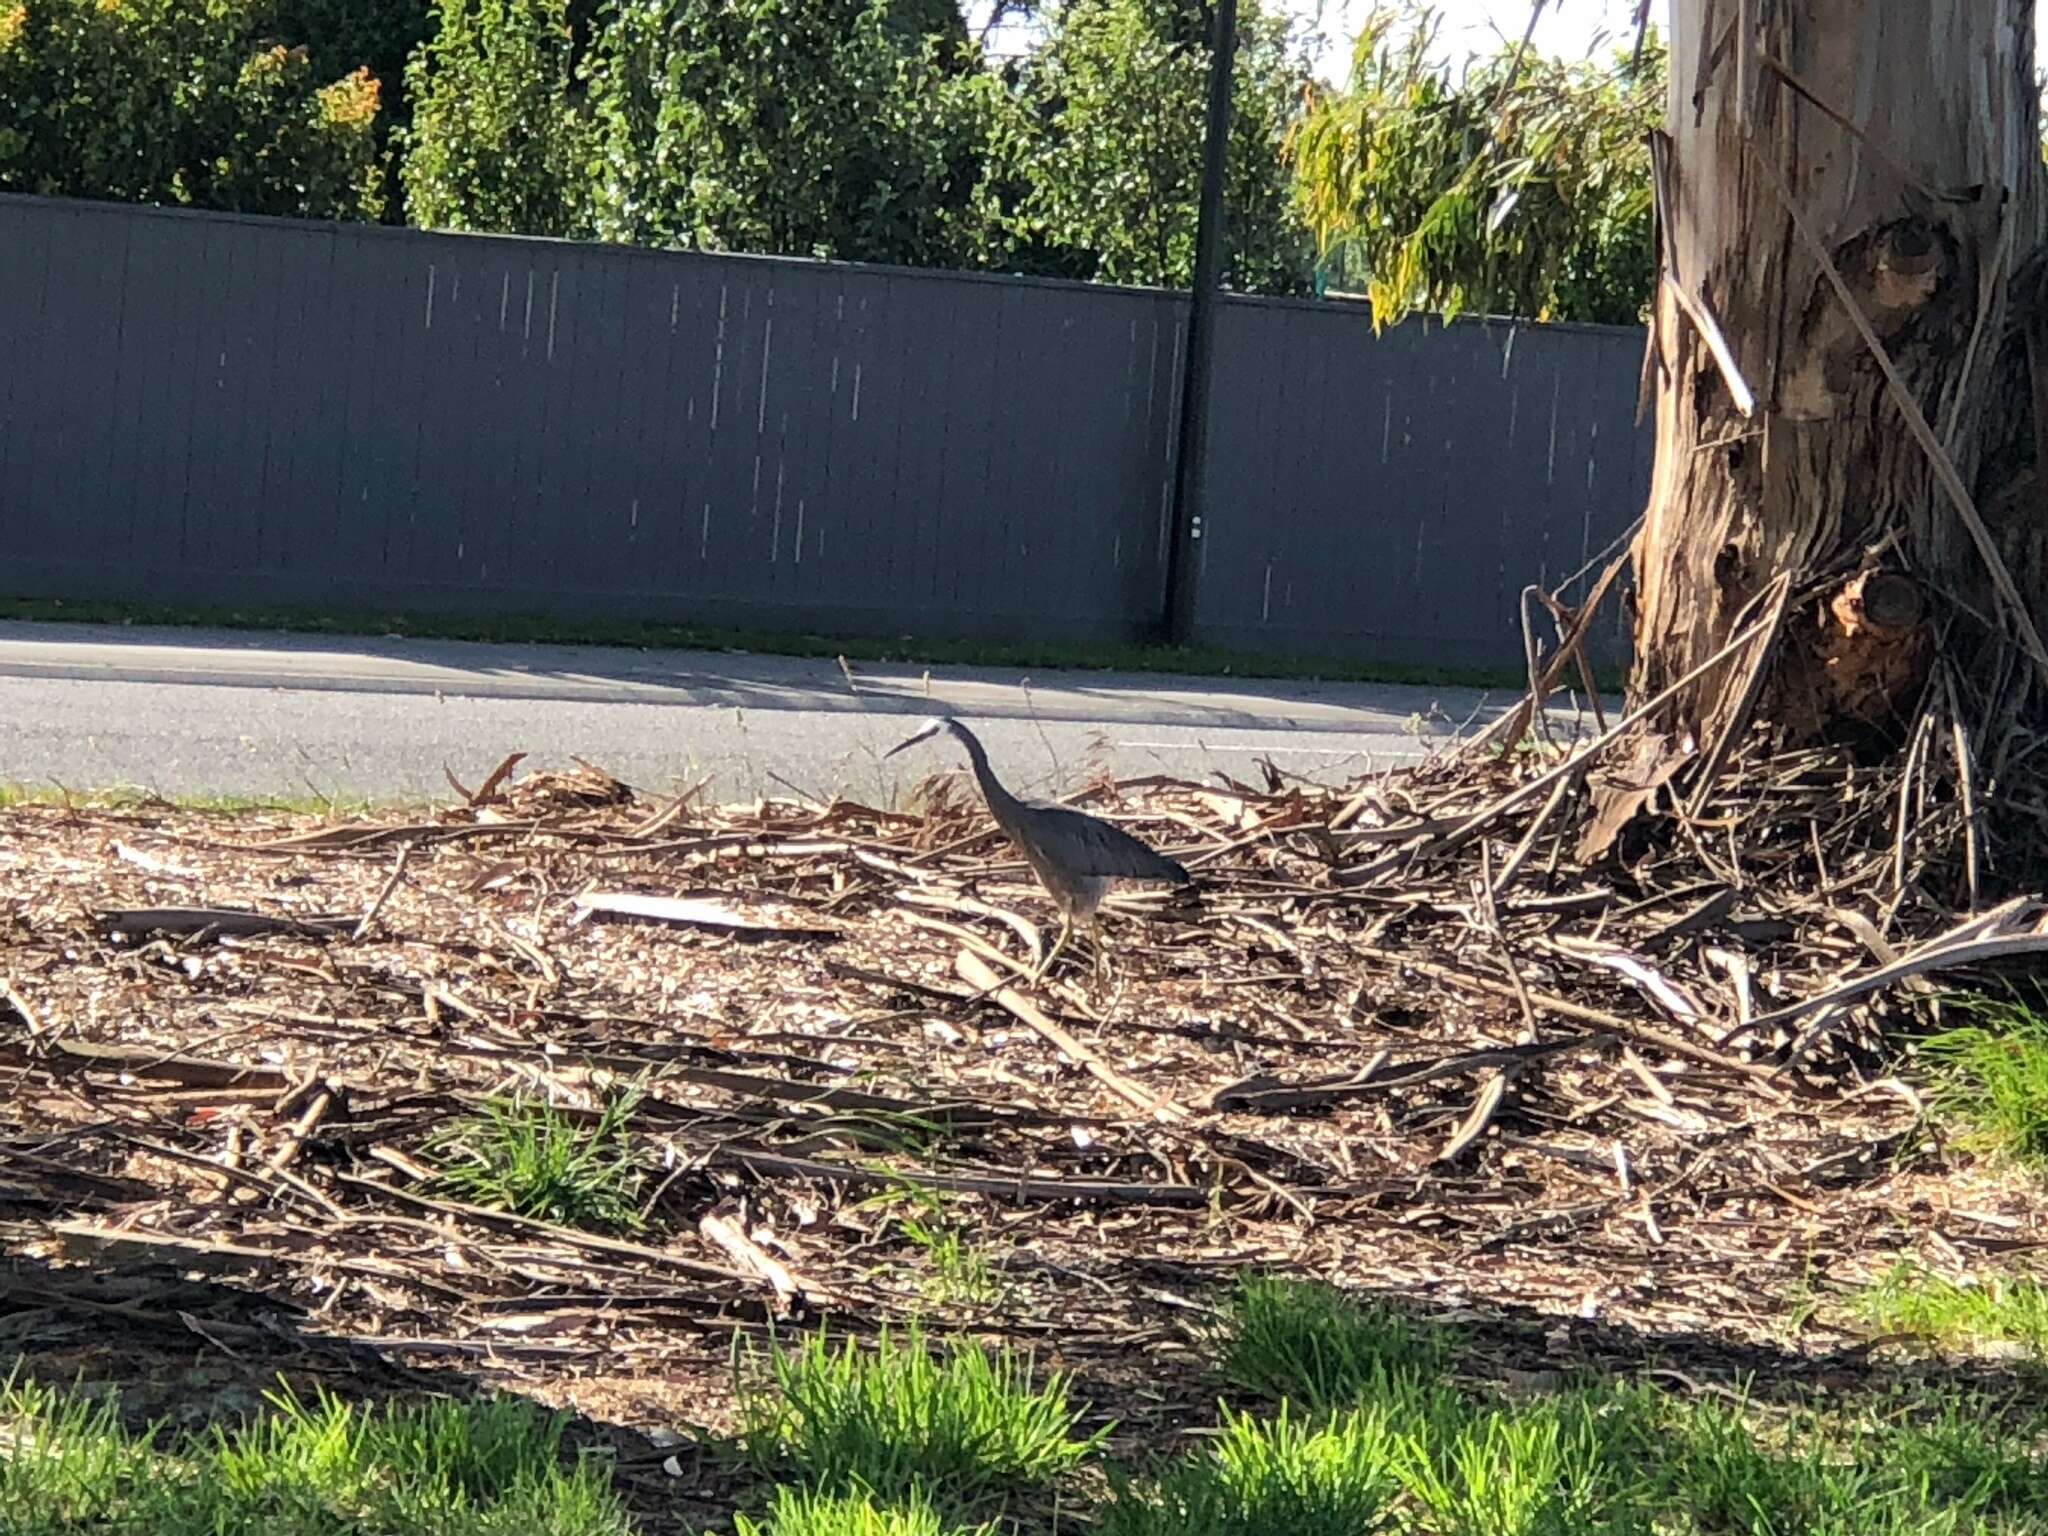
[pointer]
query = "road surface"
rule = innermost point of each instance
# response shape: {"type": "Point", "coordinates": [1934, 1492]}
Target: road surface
{"type": "Point", "coordinates": [189, 712]}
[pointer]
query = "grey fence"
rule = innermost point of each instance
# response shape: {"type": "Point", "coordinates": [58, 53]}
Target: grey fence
{"type": "Point", "coordinates": [211, 410]}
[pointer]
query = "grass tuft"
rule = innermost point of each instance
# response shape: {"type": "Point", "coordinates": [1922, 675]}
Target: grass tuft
{"type": "Point", "coordinates": [1547, 1468]}
{"type": "Point", "coordinates": [2002, 1309]}
{"type": "Point", "coordinates": [903, 1417]}
{"type": "Point", "coordinates": [1295, 1339]}
{"type": "Point", "coordinates": [319, 1468]}
{"type": "Point", "coordinates": [805, 1512]}
{"type": "Point", "coordinates": [534, 1160]}
{"type": "Point", "coordinates": [958, 1270]}
{"type": "Point", "coordinates": [1284, 1476]}
{"type": "Point", "coordinates": [1991, 1078]}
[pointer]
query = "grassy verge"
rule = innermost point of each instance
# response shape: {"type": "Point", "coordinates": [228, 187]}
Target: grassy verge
{"type": "Point", "coordinates": [533, 629]}
{"type": "Point", "coordinates": [1342, 1419]}
{"type": "Point", "coordinates": [1990, 1077]}
{"type": "Point", "coordinates": [68, 1466]}
{"type": "Point", "coordinates": [1991, 1309]}
{"type": "Point", "coordinates": [1397, 1446]}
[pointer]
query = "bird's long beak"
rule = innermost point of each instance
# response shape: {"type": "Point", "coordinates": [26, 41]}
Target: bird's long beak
{"type": "Point", "coordinates": [924, 735]}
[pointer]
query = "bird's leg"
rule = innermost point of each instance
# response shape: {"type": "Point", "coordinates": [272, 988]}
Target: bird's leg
{"type": "Point", "coordinates": [1101, 954]}
{"type": "Point", "coordinates": [1058, 944]}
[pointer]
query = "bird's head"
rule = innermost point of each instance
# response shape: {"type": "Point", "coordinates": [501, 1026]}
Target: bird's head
{"type": "Point", "coordinates": [938, 725]}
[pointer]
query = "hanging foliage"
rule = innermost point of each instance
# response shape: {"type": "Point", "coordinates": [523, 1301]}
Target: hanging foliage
{"type": "Point", "coordinates": [1521, 188]}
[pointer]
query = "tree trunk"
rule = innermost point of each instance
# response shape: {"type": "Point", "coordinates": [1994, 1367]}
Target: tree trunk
{"type": "Point", "coordinates": [1926, 209]}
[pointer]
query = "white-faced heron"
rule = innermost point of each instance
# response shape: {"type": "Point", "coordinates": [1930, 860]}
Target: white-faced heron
{"type": "Point", "coordinates": [1077, 857]}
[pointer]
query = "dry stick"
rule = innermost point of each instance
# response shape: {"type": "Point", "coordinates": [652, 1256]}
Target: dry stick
{"type": "Point", "coordinates": [1922, 734]}
{"type": "Point", "coordinates": [303, 1127]}
{"type": "Point", "coordinates": [1969, 939]}
{"type": "Point", "coordinates": [1499, 933]}
{"type": "Point", "coordinates": [1513, 868]}
{"type": "Point", "coordinates": [1517, 720]}
{"type": "Point", "coordinates": [1678, 1045]}
{"type": "Point", "coordinates": [975, 971]}
{"type": "Point", "coordinates": [1515, 65]}
{"type": "Point", "coordinates": [1635, 56]}
{"type": "Point", "coordinates": [571, 1237]}
{"type": "Point", "coordinates": [1937, 956]}
{"type": "Point", "coordinates": [19, 1004]}
{"type": "Point", "coordinates": [277, 1164]}
{"type": "Point", "coordinates": [1018, 1187]}
{"type": "Point", "coordinates": [1491, 1096]}
{"type": "Point", "coordinates": [727, 1234]}
{"type": "Point", "coordinates": [384, 895]}
{"type": "Point", "coordinates": [1016, 922]}
{"type": "Point", "coordinates": [1916, 422]}
{"type": "Point", "coordinates": [1965, 781]}
{"type": "Point", "coordinates": [1724, 742]}
{"type": "Point", "coordinates": [1578, 649]}
{"type": "Point", "coordinates": [1539, 719]}
{"type": "Point", "coordinates": [980, 947]}
{"type": "Point", "coordinates": [1577, 762]}
{"type": "Point", "coordinates": [1562, 617]}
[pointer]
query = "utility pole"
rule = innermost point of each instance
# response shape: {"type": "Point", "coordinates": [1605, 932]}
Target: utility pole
{"type": "Point", "coordinates": [1184, 551]}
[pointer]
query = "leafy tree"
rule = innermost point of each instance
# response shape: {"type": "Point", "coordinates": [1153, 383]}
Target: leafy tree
{"type": "Point", "coordinates": [1522, 189]}
{"type": "Point", "coordinates": [375, 36]}
{"type": "Point", "coordinates": [1105, 155]}
{"type": "Point", "coordinates": [498, 140]}
{"type": "Point", "coordinates": [842, 128]}
{"type": "Point", "coordinates": [187, 103]}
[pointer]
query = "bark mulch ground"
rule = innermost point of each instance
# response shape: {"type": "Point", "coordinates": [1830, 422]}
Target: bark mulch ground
{"type": "Point", "coordinates": [1398, 1039]}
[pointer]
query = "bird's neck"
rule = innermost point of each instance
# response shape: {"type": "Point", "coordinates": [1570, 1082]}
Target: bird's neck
{"type": "Point", "coordinates": [991, 790]}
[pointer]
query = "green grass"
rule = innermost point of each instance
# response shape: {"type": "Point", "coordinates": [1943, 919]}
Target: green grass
{"type": "Point", "coordinates": [1996, 1309]}
{"type": "Point", "coordinates": [1991, 1078]}
{"type": "Point", "coordinates": [1605, 1458]}
{"type": "Point", "coordinates": [1294, 1339]}
{"type": "Point", "coordinates": [801, 1512]}
{"type": "Point", "coordinates": [319, 1468]}
{"type": "Point", "coordinates": [899, 1440]}
{"type": "Point", "coordinates": [1877, 1467]}
{"type": "Point", "coordinates": [539, 630]}
{"type": "Point", "coordinates": [533, 1160]}
{"type": "Point", "coordinates": [1280, 1477]}
{"type": "Point", "coordinates": [958, 1271]}
{"type": "Point", "coordinates": [1396, 1448]}
{"type": "Point", "coordinates": [961, 1422]}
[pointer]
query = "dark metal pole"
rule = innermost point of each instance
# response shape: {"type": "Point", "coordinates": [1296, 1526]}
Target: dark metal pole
{"type": "Point", "coordinates": [1184, 552]}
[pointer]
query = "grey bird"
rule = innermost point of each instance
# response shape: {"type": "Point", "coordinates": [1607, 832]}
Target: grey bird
{"type": "Point", "coordinates": [1077, 857]}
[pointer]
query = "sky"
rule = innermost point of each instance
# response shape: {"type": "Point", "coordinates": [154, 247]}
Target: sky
{"type": "Point", "coordinates": [1567, 27]}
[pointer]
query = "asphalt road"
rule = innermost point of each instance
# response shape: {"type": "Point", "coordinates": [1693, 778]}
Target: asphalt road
{"type": "Point", "coordinates": [186, 712]}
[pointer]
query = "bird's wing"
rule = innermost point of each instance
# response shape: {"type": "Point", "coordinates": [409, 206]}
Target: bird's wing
{"type": "Point", "coordinates": [1088, 845]}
